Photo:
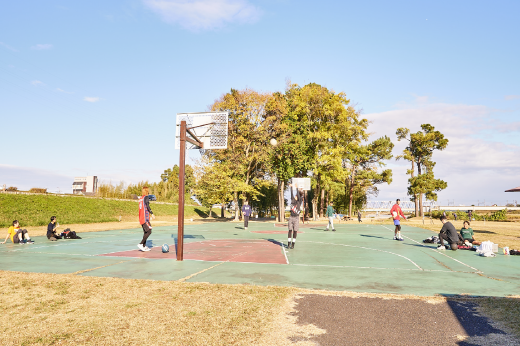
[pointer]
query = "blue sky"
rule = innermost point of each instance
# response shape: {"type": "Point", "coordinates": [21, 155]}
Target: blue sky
{"type": "Point", "coordinates": [93, 87]}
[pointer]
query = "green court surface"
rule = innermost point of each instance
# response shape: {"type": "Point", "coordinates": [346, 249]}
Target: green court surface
{"type": "Point", "coordinates": [357, 257]}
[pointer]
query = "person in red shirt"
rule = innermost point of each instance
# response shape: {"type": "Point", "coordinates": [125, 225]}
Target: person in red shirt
{"type": "Point", "coordinates": [144, 218]}
{"type": "Point", "coordinates": [397, 213]}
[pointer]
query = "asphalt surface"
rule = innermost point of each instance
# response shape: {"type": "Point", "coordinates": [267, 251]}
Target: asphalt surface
{"type": "Point", "coordinates": [378, 321]}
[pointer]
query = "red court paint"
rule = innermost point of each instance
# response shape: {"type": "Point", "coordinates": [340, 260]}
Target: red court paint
{"type": "Point", "coordinates": [232, 250]}
{"type": "Point", "coordinates": [275, 232]}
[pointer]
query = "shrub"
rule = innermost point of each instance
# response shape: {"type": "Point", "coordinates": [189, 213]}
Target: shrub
{"type": "Point", "coordinates": [12, 188]}
{"type": "Point", "coordinates": [499, 215]}
{"type": "Point", "coordinates": [461, 215]}
{"type": "Point", "coordinates": [38, 190]}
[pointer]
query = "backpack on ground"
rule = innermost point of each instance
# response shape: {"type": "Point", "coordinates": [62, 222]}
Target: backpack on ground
{"type": "Point", "coordinates": [68, 234]}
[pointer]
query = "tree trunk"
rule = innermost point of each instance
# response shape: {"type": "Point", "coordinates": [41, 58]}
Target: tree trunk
{"type": "Point", "coordinates": [322, 202]}
{"type": "Point", "coordinates": [281, 200]}
{"type": "Point", "coordinates": [420, 195]}
{"type": "Point", "coordinates": [416, 202]}
{"type": "Point", "coordinates": [211, 206]}
{"type": "Point", "coordinates": [235, 201]}
{"type": "Point", "coordinates": [351, 192]}
{"type": "Point", "coordinates": [315, 199]}
{"type": "Point", "coordinates": [306, 206]}
{"type": "Point", "coordinates": [222, 208]}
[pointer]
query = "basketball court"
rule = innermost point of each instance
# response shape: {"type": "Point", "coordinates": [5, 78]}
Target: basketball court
{"type": "Point", "coordinates": [357, 257]}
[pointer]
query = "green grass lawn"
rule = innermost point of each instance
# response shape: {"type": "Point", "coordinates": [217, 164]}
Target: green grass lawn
{"type": "Point", "coordinates": [36, 210]}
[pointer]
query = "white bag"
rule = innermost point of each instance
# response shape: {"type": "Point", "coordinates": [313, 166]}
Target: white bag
{"type": "Point", "coordinates": [486, 246]}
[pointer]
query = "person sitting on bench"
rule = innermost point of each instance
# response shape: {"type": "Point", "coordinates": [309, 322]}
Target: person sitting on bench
{"type": "Point", "coordinates": [448, 233]}
{"type": "Point", "coordinates": [17, 235]}
{"type": "Point", "coordinates": [466, 235]}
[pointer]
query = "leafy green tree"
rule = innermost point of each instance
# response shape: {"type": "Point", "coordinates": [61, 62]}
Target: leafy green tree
{"type": "Point", "coordinates": [291, 155]}
{"type": "Point", "coordinates": [214, 185]}
{"type": "Point", "coordinates": [362, 163]}
{"type": "Point", "coordinates": [247, 155]}
{"type": "Point", "coordinates": [331, 127]}
{"type": "Point", "coordinates": [419, 151]}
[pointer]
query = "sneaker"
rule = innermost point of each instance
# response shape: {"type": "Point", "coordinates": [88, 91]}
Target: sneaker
{"type": "Point", "coordinates": [146, 248]}
{"type": "Point", "coordinates": [467, 243]}
{"type": "Point", "coordinates": [395, 238]}
{"type": "Point", "coordinates": [441, 247]}
{"type": "Point", "coordinates": [333, 230]}
{"type": "Point", "coordinates": [326, 229]}
{"type": "Point", "coordinates": [140, 246]}
{"type": "Point", "coordinates": [400, 239]}
{"type": "Point", "coordinates": [245, 228]}
{"type": "Point", "coordinates": [289, 245]}
{"type": "Point", "coordinates": [292, 245]}
{"type": "Point", "coordinates": [30, 241]}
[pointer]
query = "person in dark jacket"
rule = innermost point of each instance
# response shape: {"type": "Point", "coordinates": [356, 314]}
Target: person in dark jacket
{"type": "Point", "coordinates": [448, 233]}
{"type": "Point", "coordinates": [145, 213]}
{"type": "Point", "coordinates": [246, 213]}
{"type": "Point", "coordinates": [51, 229]}
{"type": "Point", "coordinates": [294, 219]}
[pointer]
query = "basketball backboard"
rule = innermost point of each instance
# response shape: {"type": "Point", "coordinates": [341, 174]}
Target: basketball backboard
{"type": "Point", "coordinates": [302, 183]}
{"type": "Point", "coordinates": [210, 127]}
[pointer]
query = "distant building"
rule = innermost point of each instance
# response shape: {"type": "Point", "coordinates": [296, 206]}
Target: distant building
{"type": "Point", "coordinates": [85, 185]}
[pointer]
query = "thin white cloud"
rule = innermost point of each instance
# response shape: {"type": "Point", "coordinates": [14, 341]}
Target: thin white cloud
{"type": "Point", "coordinates": [42, 46]}
{"type": "Point", "coordinates": [477, 164]}
{"type": "Point", "coordinates": [8, 47]}
{"type": "Point", "coordinates": [91, 99]}
{"type": "Point", "coordinates": [511, 97]}
{"type": "Point", "coordinates": [204, 14]}
{"type": "Point", "coordinates": [37, 83]}
{"type": "Point", "coordinates": [25, 178]}
{"type": "Point", "coordinates": [63, 91]}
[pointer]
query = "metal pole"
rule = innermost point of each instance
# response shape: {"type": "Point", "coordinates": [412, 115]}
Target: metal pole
{"type": "Point", "coordinates": [182, 163]}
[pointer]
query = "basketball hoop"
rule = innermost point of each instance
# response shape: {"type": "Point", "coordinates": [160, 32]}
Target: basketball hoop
{"type": "Point", "coordinates": [202, 131]}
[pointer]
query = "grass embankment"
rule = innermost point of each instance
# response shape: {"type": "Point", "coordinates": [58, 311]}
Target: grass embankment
{"type": "Point", "coordinates": [36, 210]}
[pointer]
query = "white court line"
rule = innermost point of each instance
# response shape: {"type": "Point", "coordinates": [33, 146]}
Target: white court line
{"type": "Point", "coordinates": [285, 253]}
{"type": "Point", "coordinates": [54, 245]}
{"type": "Point", "coordinates": [331, 266]}
{"type": "Point", "coordinates": [367, 248]}
{"type": "Point", "coordinates": [59, 253]}
{"type": "Point", "coordinates": [438, 251]}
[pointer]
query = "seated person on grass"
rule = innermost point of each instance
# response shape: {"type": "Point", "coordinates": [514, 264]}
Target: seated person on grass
{"type": "Point", "coordinates": [466, 234]}
{"type": "Point", "coordinates": [51, 229]}
{"type": "Point", "coordinates": [448, 233]}
{"type": "Point", "coordinates": [17, 235]}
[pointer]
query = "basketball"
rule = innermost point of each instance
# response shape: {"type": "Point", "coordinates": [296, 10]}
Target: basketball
{"type": "Point", "coordinates": [165, 248]}
{"type": "Point", "coordinates": [274, 141]}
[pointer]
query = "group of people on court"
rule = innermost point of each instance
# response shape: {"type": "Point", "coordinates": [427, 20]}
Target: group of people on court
{"type": "Point", "coordinates": [447, 234]}
{"type": "Point", "coordinates": [21, 236]}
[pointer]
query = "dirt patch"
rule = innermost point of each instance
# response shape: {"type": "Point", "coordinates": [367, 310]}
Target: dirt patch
{"type": "Point", "coordinates": [380, 321]}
